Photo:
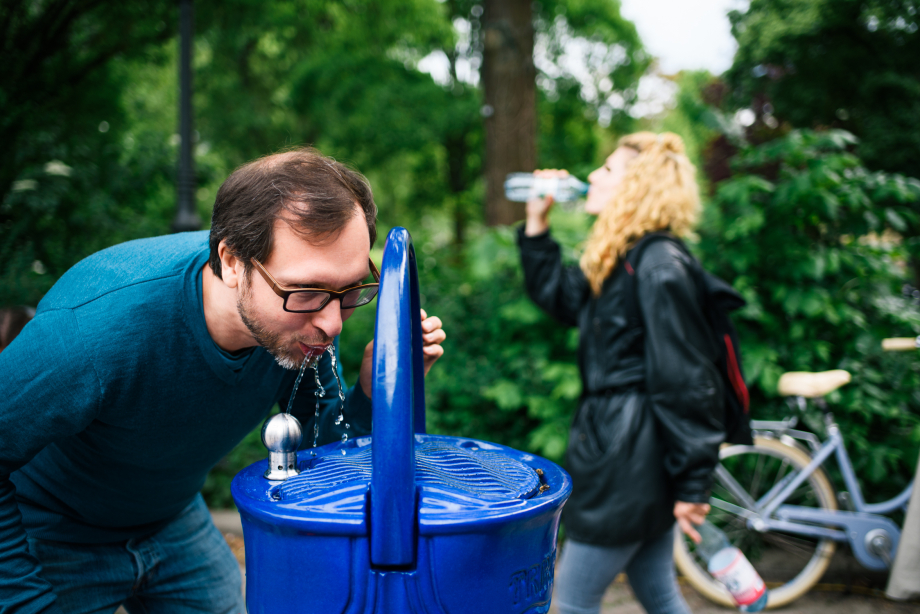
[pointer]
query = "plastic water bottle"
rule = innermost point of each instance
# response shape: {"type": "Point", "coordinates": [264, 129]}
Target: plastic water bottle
{"type": "Point", "coordinates": [521, 187]}
{"type": "Point", "coordinates": [728, 565]}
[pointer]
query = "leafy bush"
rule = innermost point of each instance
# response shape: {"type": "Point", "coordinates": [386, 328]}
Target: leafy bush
{"type": "Point", "coordinates": [809, 237]}
{"type": "Point", "coordinates": [509, 373]}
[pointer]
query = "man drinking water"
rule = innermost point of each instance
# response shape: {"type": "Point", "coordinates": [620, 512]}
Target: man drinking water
{"type": "Point", "coordinates": [148, 361]}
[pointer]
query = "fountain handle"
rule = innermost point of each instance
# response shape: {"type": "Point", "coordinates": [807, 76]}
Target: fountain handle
{"type": "Point", "coordinates": [399, 405]}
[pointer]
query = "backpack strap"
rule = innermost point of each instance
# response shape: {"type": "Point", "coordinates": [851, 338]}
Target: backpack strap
{"type": "Point", "coordinates": [631, 264]}
{"type": "Point", "coordinates": [717, 300]}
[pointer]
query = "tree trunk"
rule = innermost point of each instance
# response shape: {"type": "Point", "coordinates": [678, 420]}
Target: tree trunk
{"type": "Point", "coordinates": [509, 80]}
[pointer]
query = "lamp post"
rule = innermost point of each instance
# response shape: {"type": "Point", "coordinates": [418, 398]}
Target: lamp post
{"type": "Point", "coordinates": [186, 219]}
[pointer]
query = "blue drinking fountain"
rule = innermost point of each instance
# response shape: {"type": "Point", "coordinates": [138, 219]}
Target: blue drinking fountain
{"type": "Point", "coordinates": [401, 521]}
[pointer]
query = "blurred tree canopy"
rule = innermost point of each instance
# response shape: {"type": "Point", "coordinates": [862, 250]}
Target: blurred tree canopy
{"type": "Point", "coordinates": [88, 106]}
{"type": "Point", "coordinates": [849, 64]}
{"type": "Point", "coordinates": [57, 71]}
{"type": "Point", "coordinates": [813, 227]}
{"type": "Point", "coordinates": [531, 92]}
{"type": "Point", "coordinates": [75, 135]}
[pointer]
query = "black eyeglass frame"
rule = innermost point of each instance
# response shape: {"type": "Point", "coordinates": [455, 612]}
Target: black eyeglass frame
{"type": "Point", "coordinates": [284, 292]}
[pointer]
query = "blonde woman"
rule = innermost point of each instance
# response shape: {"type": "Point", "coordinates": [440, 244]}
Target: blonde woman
{"type": "Point", "coordinates": [646, 435]}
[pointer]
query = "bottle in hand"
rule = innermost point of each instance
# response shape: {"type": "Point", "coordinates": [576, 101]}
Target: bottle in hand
{"type": "Point", "coordinates": [521, 187]}
{"type": "Point", "coordinates": [728, 565]}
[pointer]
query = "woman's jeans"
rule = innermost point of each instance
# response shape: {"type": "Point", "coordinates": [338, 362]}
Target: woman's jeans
{"type": "Point", "coordinates": [585, 571]}
{"type": "Point", "coordinates": [186, 567]}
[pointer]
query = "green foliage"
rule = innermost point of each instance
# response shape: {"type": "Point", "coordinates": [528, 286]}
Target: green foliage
{"type": "Point", "coordinates": [113, 182]}
{"type": "Point", "coordinates": [808, 236]}
{"type": "Point", "coordinates": [566, 139]}
{"type": "Point", "coordinates": [842, 63]}
{"type": "Point", "coordinates": [254, 51]}
{"type": "Point", "coordinates": [55, 81]}
{"type": "Point", "coordinates": [114, 186]}
{"type": "Point", "coordinates": [509, 372]}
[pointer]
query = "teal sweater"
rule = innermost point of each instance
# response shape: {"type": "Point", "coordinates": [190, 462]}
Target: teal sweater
{"type": "Point", "coordinates": [115, 403]}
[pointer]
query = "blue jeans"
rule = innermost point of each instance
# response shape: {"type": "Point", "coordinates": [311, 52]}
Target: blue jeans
{"type": "Point", "coordinates": [184, 567]}
{"type": "Point", "coordinates": [585, 571]}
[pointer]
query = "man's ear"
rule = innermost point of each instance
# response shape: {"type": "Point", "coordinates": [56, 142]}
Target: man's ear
{"type": "Point", "coordinates": [232, 268]}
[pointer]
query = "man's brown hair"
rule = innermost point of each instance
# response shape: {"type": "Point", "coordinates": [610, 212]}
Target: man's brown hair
{"type": "Point", "coordinates": [317, 194]}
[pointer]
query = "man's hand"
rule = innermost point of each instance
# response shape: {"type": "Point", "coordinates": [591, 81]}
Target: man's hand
{"type": "Point", "coordinates": [432, 338]}
{"type": "Point", "coordinates": [689, 515]}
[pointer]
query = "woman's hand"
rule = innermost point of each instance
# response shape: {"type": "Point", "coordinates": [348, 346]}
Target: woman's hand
{"type": "Point", "coordinates": [689, 515]}
{"type": "Point", "coordinates": [538, 208]}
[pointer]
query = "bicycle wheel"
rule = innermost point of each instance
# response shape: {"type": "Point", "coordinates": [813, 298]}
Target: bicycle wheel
{"type": "Point", "coordinates": [789, 564]}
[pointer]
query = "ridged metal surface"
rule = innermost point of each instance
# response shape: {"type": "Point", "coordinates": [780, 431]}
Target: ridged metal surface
{"type": "Point", "coordinates": [474, 472]}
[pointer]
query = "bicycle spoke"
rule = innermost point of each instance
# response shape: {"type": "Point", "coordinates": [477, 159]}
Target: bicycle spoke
{"type": "Point", "coordinates": [780, 473]}
{"type": "Point", "coordinates": [777, 487]}
{"type": "Point", "coordinates": [790, 543]}
{"type": "Point", "coordinates": [732, 486]}
{"type": "Point", "coordinates": [725, 506]}
{"type": "Point", "coordinates": [755, 481]}
{"type": "Point", "coordinates": [746, 479]}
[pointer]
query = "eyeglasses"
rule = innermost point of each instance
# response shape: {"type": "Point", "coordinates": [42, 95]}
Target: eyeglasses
{"type": "Point", "coordinates": [308, 300]}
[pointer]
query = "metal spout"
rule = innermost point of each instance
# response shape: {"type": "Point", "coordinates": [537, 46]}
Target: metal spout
{"type": "Point", "coordinates": [282, 435]}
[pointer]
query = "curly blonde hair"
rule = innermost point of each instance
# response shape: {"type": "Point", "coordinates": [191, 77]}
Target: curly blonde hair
{"type": "Point", "coordinates": [658, 192]}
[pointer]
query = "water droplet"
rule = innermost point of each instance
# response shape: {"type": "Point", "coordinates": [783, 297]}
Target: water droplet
{"type": "Point", "coordinates": [344, 438]}
{"type": "Point", "coordinates": [335, 372]}
{"type": "Point", "coordinates": [303, 367]}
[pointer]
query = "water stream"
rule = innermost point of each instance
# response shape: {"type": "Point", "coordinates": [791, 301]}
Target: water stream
{"type": "Point", "coordinates": [341, 417]}
{"type": "Point", "coordinates": [319, 393]}
{"type": "Point", "coordinates": [303, 367]}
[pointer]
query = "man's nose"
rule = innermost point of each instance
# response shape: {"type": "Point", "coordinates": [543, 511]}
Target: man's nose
{"type": "Point", "coordinates": [329, 318]}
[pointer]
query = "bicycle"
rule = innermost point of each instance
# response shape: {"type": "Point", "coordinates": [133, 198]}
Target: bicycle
{"type": "Point", "coordinates": [776, 503]}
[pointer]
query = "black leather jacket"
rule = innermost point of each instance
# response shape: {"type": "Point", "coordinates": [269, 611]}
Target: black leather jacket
{"type": "Point", "coordinates": [648, 426]}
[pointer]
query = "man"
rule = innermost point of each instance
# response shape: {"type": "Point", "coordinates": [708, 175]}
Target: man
{"type": "Point", "coordinates": [147, 362]}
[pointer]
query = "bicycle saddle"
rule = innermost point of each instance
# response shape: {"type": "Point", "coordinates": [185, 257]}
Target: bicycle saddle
{"type": "Point", "coordinates": [811, 385]}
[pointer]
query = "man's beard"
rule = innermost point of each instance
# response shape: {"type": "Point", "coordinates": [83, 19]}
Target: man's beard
{"type": "Point", "coordinates": [270, 340]}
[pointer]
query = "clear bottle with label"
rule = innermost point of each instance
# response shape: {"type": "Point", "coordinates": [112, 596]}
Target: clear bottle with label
{"type": "Point", "coordinates": [521, 187]}
{"type": "Point", "coordinates": [728, 565]}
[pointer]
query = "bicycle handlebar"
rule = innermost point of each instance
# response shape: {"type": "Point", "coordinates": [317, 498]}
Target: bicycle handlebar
{"type": "Point", "coordinates": [901, 344]}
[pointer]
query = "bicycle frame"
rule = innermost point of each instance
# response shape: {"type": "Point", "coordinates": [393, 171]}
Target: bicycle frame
{"type": "Point", "coordinates": [873, 538]}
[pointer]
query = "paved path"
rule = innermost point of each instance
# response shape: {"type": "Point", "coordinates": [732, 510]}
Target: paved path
{"type": "Point", "coordinates": [619, 600]}
{"type": "Point", "coordinates": [619, 597]}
